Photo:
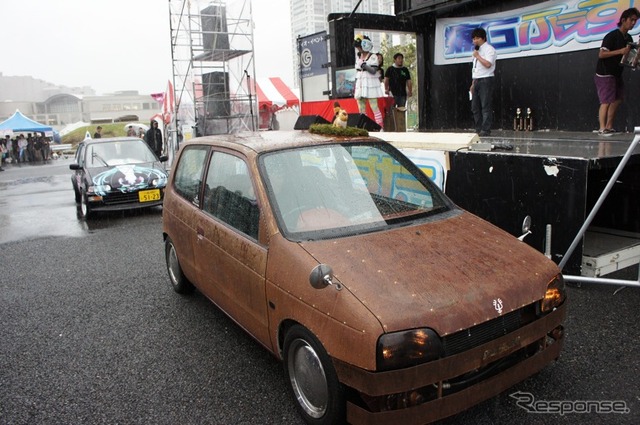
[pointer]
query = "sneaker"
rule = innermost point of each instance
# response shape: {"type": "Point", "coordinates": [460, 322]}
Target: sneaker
{"type": "Point", "coordinates": [611, 130]}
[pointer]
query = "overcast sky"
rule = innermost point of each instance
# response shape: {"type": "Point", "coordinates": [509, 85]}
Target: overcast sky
{"type": "Point", "coordinates": [113, 45]}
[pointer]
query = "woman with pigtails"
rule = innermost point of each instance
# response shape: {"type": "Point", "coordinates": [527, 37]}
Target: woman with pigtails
{"type": "Point", "coordinates": [369, 75]}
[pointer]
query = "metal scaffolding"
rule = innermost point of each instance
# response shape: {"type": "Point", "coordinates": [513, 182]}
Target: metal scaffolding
{"type": "Point", "coordinates": [213, 67]}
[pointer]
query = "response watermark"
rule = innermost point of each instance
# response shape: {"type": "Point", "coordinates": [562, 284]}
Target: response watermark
{"type": "Point", "coordinates": [529, 403]}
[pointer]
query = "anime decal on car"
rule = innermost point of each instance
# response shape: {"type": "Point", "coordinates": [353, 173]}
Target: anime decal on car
{"type": "Point", "coordinates": [128, 178]}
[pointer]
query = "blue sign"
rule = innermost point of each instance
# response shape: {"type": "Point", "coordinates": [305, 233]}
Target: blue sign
{"type": "Point", "coordinates": [312, 51]}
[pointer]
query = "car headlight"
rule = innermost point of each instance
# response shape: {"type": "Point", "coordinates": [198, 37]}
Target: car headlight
{"type": "Point", "coordinates": [102, 188]}
{"type": "Point", "coordinates": [555, 294]}
{"type": "Point", "coordinates": [159, 182]}
{"type": "Point", "coordinates": [407, 348]}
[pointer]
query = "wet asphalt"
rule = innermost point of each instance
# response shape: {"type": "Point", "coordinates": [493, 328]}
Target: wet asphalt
{"type": "Point", "coordinates": [92, 333]}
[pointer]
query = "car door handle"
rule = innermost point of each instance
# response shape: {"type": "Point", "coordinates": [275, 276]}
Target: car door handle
{"type": "Point", "coordinates": [200, 233]}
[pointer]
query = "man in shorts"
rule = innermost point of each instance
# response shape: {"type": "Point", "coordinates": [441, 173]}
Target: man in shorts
{"type": "Point", "coordinates": [608, 76]}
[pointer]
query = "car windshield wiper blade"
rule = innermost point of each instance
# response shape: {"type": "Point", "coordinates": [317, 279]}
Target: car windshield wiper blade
{"type": "Point", "coordinates": [95, 155]}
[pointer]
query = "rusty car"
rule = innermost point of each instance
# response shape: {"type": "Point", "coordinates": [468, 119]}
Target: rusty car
{"type": "Point", "coordinates": [385, 301]}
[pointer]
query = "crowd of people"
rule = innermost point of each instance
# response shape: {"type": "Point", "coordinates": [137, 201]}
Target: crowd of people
{"type": "Point", "coordinates": [32, 149]}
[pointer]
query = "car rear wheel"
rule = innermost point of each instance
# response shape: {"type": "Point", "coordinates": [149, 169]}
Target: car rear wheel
{"type": "Point", "coordinates": [179, 282]}
{"type": "Point", "coordinates": [318, 394]}
{"type": "Point", "coordinates": [85, 207]}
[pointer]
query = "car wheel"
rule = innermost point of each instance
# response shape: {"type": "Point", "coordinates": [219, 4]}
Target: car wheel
{"type": "Point", "coordinates": [85, 208]}
{"type": "Point", "coordinates": [318, 394]}
{"type": "Point", "coordinates": [179, 282]}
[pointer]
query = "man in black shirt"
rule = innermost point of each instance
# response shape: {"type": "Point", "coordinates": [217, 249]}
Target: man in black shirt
{"type": "Point", "coordinates": [397, 80]}
{"type": "Point", "coordinates": [608, 78]}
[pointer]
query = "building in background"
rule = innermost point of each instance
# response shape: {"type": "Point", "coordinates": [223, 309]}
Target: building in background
{"type": "Point", "coordinates": [59, 106]}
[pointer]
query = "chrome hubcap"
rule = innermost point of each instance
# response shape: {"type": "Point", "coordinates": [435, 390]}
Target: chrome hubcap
{"type": "Point", "coordinates": [308, 379]}
{"type": "Point", "coordinates": [173, 264]}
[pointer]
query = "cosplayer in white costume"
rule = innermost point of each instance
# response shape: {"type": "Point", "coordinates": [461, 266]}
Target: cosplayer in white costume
{"type": "Point", "coordinates": [368, 77]}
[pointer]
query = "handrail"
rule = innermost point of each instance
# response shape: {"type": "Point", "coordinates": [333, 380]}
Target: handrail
{"type": "Point", "coordinates": [590, 218]}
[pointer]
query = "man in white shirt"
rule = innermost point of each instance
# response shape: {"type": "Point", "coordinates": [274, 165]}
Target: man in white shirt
{"type": "Point", "coordinates": [482, 75]}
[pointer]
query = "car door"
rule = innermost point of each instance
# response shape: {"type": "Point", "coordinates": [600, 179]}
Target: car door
{"type": "Point", "coordinates": [181, 204]}
{"type": "Point", "coordinates": [78, 174]}
{"type": "Point", "coordinates": [230, 260]}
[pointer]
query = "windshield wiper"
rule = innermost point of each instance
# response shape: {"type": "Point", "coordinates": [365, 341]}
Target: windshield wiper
{"type": "Point", "coordinates": [95, 155]}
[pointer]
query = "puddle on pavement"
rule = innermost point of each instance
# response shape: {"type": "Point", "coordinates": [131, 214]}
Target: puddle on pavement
{"type": "Point", "coordinates": [37, 207]}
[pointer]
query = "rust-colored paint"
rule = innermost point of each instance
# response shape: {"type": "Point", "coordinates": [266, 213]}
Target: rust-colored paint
{"type": "Point", "coordinates": [446, 274]}
{"type": "Point", "coordinates": [435, 274]}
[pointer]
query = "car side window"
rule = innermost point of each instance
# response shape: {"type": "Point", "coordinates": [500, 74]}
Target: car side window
{"type": "Point", "coordinates": [229, 194]}
{"type": "Point", "coordinates": [189, 173]}
{"type": "Point", "coordinates": [80, 155]}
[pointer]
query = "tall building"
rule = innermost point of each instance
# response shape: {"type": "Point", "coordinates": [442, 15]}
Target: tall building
{"type": "Point", "coordinates": [310, 17]}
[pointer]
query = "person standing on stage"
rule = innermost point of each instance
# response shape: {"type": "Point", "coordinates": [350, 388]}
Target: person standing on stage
{"type": "Point", "coordinates": [397, 82]}
{"type": "Point", "coordinates": [608, 78]}
{"type": "Point", "coordinates": [482, 82]}
{"type": "Point", "coordinates": [369, 76]}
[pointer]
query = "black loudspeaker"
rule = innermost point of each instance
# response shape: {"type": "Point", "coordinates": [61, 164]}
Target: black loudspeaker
{"type": "Point", "coordinates": [215, 88]}
{"type": "Point", "coordinates": [214, 28]}
{"type": "Point", "coordinates": [362, 121]}
{"type": "Point", "coordinates": [305, 121]}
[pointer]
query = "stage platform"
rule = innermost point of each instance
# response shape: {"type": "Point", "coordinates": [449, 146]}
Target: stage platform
{"type": "Point", "coordinates": [561, 143]}
{"type": "Point", "coordinates": [555, 177]}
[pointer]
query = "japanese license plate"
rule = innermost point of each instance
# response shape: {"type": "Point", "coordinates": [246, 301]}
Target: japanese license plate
{"type": "Point", "coordinates": [149, 195]}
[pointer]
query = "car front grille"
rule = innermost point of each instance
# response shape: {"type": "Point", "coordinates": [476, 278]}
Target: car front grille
{"type": "Point", "coordinates": [487, 331]}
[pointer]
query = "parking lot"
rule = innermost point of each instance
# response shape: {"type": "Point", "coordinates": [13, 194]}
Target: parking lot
{"type": "Point", "coordinates": [93, 333]}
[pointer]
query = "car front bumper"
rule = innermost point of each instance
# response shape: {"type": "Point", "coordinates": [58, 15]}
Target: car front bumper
{"type": "Point", "coordinates": [545, 334]}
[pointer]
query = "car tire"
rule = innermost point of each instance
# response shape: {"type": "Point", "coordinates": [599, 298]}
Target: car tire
{"type": "Point", "coordinates": [77, 193]}
{"type": "Point", "coordinates": [319, 396]}
{"type": "Point", "coordinates": [178, 280]}
{"type": "Point", "coordinates": [85, 207]}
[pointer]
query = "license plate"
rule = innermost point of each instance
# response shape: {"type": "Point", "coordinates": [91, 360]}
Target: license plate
{"type": "Point", "coordinates": [149, 195]}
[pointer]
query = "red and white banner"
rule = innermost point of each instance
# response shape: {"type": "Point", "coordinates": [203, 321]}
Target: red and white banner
{"type": "Point", "coordinates": [168, 103]}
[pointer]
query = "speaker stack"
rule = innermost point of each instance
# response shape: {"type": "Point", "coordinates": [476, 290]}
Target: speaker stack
{"type": "Point", "coordinates": [362, 121]}
{"type": "Point", "coordinates": [305, 121]}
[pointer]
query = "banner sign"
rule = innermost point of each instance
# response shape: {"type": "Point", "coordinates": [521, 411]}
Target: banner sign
{"type": "Point", "coordinates": [546, 28]}
{"type": "Point", "coordinates": [313, 54]}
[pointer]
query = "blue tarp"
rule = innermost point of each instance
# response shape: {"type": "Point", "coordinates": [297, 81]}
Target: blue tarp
{"type": "Point", "coordinates": [18, 122]}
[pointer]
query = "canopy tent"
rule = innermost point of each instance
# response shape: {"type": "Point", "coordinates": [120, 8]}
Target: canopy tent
{"type": "Point", "coordinates": [274, 94]}
{"type": "Point", "coordinates": [18, 122]}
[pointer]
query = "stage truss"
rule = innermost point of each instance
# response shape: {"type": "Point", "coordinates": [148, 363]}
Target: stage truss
{"type": "Point", "coordinates": [213, 67]}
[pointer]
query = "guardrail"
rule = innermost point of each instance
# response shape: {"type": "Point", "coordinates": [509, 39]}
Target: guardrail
{"type": "Point", "coordinates": [61, 147]}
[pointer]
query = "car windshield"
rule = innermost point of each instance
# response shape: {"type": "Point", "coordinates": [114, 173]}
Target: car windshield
{"type": "Point", "coordinates": [335, 190]}
{"type": "Point", "coordinates": [119, 152]}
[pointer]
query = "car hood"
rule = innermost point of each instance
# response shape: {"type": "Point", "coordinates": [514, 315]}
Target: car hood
{"type": "Point", "coordinates": [128, 177]}
{"type": "Point", "coordinates": [448, 274]}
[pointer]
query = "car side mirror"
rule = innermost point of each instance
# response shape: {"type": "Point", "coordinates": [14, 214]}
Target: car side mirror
{"type": "Point", "coordinates": [164, 158]}
{"type": "Point", "coordinates": [75, 166]}
{"type": "Point", "coordinates": [322, 276]}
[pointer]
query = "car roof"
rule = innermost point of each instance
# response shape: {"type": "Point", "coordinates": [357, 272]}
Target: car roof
{"type": "Point", "coordinates": [110, 139]}
{"type": "Point", "coordinates": [266, 141]}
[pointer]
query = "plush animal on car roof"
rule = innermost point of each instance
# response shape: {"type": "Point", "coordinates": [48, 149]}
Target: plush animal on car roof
{"type": "Point", "coordinates": [341, 116]}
